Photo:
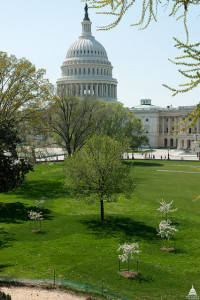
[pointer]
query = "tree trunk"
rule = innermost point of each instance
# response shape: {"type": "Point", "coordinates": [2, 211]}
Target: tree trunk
{"type": "Point", "coordinates": [102, 210]}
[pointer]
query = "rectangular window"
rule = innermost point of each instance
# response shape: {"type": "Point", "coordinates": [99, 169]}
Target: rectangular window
{"type": "Point", "coordinates": [88, 70]}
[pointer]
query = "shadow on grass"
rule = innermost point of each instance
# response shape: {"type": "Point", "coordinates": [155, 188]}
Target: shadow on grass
{"type": "Point", "coordinates": [123, 228]}
{"type": "Point", "coordinates": [16, 212]}
{"type": "Point", "coordinates": [5, 239]}
{"type": "Point", "coordinates": [4, 266]}
{"type": "Point", "coordinates": [179, 251]}
{"type": "Point", "coordinates": [142, 279]}
{"type": "Point", "coordinates": [147, 164]}
{"type": "Point", "coordinates": [40, 188]}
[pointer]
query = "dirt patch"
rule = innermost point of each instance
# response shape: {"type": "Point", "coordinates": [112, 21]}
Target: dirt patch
{"type": "Point", "coordinates": [128, 274]}
{"type": "Point", "coordinates": [29, 293]}
{"type": "Point", "coordinates": [167, 249]}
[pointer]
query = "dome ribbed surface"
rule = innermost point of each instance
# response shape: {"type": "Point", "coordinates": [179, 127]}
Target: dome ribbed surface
{"type": "Point", "coordinates": [87, 47]}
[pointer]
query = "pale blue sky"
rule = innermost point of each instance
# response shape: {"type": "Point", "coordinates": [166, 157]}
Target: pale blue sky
{"type": "Point", "coordinates": [42, 31]}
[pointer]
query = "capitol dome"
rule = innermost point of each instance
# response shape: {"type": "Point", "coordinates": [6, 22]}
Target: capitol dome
{"type": "Point", "coordinates": [86, 69]}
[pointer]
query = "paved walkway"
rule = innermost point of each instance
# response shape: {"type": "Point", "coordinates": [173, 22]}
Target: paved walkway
{"type": "Point", "coordinates": [174, 154]}
{"type": "Point", "coordinates": [54, 154]}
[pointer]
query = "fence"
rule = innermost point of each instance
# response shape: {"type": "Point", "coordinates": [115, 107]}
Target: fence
{"type": "Point", "coordinates": [91, 289]}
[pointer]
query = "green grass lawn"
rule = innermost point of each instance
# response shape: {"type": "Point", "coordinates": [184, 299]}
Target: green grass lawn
{"type": "Point", "coordinates": [84, 249]}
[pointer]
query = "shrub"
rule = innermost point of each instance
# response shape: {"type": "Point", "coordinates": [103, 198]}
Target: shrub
{"type": "Point", "coordinates": [3, 296]}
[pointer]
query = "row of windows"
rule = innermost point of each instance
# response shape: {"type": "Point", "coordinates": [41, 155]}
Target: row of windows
{"type": "Point", "coordinates": [96, 61]}
{"type": "Point", "coordinates": [88, 71]}
{"type": "Point", "coordinates": [87, 51]}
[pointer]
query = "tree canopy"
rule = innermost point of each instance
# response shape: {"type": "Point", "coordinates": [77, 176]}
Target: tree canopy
{"type": "Point", "coordinates": [24, 96]}
{"type": "Point", "coordinates": [75, 120]}
{"type": "Point", "coordinates": [97, 171]}
{"type": "Point", "coordinates": [23, 89]}
{"type": "Point", "coordinates": [12, 168]}
{"type": "Point", "coordinates": [122, 125]}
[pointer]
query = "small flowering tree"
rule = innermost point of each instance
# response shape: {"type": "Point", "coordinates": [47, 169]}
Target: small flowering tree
{"type": "Point", "coordinates": [128, 252]}
{"type": "Point", "coordinates": [36, 217]}
{"type": "Point", "coordinates": [166, 208]}
{"type": "Point", "coordinates": [39, 203]}
{"type": "Point", "coordinates": [166, 230]}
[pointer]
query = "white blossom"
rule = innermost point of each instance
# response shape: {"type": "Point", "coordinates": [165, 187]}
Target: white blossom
{"type": "Point", "coordinates": [165, 208]}
{"type": "Point", "coordinates": [35, 216]}
{"type": "Point", "coordinates": [39, 202]}
{"type": "Point", "coordinates": [166, 229]}
{"type": "Point", "coordinates": [128, 251]}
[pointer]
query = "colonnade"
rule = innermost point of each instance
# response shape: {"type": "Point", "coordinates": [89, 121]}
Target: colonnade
{"type": "Point", "coordinates": [102, 90]}
{"type": "Point", "coordinates": [166, 125]}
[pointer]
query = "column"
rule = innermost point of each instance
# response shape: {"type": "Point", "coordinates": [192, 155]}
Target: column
{"type": "Point", "coordinates": [91, 89]}
{"type": "Point", "coordinates": [169, 125]}
{"type": "Point", "coordinates": [102, 90]}
{"type": "Point", "coordinates": [163, 125]}
{"type": "Point", "coordinates": [86, 88]}
{"type": "Point", "coordinates": [198, 125]}
{"type": "Point", "coordinates": [96, 89]}
{"type": "Point", "coordinates": [81, 90]}
{"type": "Point", "coordinates": [106, 91]}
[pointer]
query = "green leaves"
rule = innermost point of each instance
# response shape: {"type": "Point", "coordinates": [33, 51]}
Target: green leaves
{"type": "Point", "coordinates": [96, 170]}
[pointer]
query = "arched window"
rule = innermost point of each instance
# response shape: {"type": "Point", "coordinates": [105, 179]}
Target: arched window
{"type": "Point", "coordinates": [89, 71]}
{"type": "Point", "coordinates": [84, 71]}
{"type": "Point", "coordinates": [92, 70]}
{"type": "Point", "coordinates": [97, 71]}
{"type": "Point", "coordinates": [75, 71]}
{"type": "Point", "coordinates": [79, 71]}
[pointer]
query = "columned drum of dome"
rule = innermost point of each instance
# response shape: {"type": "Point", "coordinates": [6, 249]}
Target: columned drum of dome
{"type": "Point", "coordinates": [86, 69]}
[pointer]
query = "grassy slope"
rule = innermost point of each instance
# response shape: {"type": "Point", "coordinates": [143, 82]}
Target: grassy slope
{"type": "Point", "coordinates": [83, 249]}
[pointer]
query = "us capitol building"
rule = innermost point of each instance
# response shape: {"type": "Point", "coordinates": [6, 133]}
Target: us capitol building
{"type": "Point", "coordinates": [158, 123]}
{"type": "Point", "coordinates": [86, 69]}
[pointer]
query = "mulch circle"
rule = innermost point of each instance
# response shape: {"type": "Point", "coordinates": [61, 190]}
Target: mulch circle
{"type": "Point", "coordinates": [128, 274]}
{"type": "Point", "coordinates": [167, 249]}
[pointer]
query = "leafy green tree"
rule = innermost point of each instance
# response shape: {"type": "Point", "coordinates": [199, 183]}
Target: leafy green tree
{"type": "Point", "coordinates": [121, 125]}
{"type": "Point", "coordinates": [12, 168]}
{"type": "Point", "coordinates": [96, 171]}
{"type": "Point", "coordinates": [23, 89]}
{"type": "Point", "coordinates": [24, 96]}
{"type": "Point", "coordinates": [75, 120]}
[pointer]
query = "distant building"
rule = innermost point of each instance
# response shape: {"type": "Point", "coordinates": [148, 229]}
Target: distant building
{"type": "Point", "coordinates": [158, 123]}
{"type": "Point", "coordinates": [86, 69]}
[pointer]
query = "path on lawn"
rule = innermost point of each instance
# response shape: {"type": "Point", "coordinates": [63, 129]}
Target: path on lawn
{"type": "Point", "coordinates": [34, 293]}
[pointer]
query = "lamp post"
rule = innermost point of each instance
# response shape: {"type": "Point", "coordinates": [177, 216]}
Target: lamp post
{"type": "Point", "coordinates": [168, 154]}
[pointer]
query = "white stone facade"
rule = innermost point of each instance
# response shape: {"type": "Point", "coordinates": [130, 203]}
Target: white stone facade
{"type": "Point", "coordinates": [86, 69]}
{"type": "Point", "coordinates": [158, 123]}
